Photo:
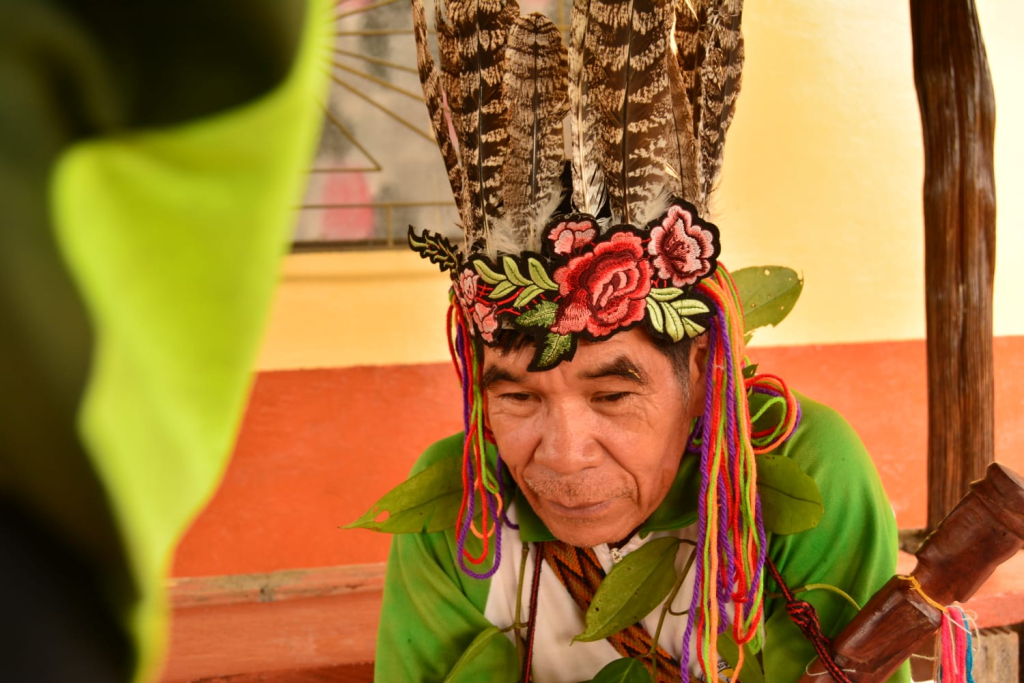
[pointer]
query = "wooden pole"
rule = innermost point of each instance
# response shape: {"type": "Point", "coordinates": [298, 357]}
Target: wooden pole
{"type": "Point", "coordinates": [957, 103]}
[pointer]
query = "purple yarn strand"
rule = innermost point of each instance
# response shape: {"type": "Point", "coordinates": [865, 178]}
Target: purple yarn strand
{"type": "Point", "coordinates": [464, 531]}
{"type": "Point", "coordinates": [732, 462]}
{"type": "Point", "coordinates": [702, 511]}
{"type": "Point", "coordinates": [500, 467]}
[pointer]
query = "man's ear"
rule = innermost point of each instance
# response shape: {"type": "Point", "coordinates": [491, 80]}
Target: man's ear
{"type": "Point", "coordinates": [698, 369]}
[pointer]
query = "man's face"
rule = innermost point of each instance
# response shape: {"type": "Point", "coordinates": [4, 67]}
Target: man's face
{"type": "Point", "coordinates": [593, 443]}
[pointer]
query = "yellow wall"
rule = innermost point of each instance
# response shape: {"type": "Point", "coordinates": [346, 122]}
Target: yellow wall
{"type": "Point", "coordinates": [823, 173]}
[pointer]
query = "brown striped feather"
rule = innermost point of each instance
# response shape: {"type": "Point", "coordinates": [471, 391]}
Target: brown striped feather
{"type": "Point", "coordinates": [588, 189]}
{"type": "Point", "coordinates": [535, 84]}
{"type": "Point", "coordinates": [481, 28]}
{"type": "Point", "coordinates": [683, 77]}
{"type": "Point", "coordinates": [720, 74]}
{"type": "Point", "coordinates": [435, 98]}
{"type": "Point", "coordinates": [630, 83]}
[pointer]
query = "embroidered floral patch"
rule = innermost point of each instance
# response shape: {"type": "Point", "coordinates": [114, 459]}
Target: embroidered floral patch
{"type": "Point", "coordinates": [682, 250]}
{"type": "Point", "coordinates": [586, 284]}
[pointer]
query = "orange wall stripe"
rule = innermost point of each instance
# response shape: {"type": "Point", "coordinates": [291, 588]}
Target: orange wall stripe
{"type": "Point", "coordinates": [318, 447]}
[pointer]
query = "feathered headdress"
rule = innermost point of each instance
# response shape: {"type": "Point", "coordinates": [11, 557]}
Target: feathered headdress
{"type": "Point", "coordinates": [642, 99]}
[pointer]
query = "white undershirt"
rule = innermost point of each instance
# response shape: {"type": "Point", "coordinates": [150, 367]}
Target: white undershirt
{"type": "Point", "coordinates": [559, 619]}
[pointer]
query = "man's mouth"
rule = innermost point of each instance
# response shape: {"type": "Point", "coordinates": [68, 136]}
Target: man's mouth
{"type": "Point", "coordinates": [578, 510]}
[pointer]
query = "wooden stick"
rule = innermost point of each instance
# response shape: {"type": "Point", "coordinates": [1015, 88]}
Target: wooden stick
{"type": "Point", "coordinates": [982, 532]}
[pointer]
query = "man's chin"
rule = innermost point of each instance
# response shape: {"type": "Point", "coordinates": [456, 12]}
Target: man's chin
{"type": "Point", "coordinates": [587, 525]}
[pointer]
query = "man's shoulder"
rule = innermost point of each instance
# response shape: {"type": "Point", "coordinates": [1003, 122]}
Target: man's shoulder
{"type": "Point", "coordinates": [820, 421]}
{"type": "Point", "coordinates": [448, 447]}
{"type": "Point", "coordinates": [826, 446]}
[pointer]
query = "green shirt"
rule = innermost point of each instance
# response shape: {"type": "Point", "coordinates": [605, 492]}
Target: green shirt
{"type": "Point", "coordinates": [432, 611]}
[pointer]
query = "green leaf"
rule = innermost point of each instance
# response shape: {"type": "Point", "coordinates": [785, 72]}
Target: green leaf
{"type": "Point", "coordinates": [502, 290]}
{"type": "Point", "coordinates": [555, 346]}
{"type": "Point", "coordinates": [655, 314]}
{"type": "Point", "coordinates": [768, 294]}
{"type": "Point", "coordinates": [541, 315]}
{"type": "Point", "coordinates": [673, 325]}
{"type": "Point", "coordinates": [486, 274]}
{"type": "Point", "coordinates": [526, 296]}
{"type": "Point", "coordinates": [476, 662]}
{"type": "Point", "coordinates": [730, 652]}
{"type": "Point", "coordinates": [428, 501]}
{"type": "Point", "coordinates": [750, 371]}
{"type": "Point", "coordinates": [512, 271]}
{"type": "Point", "coordinates": [666, 294]}
{"type": "Point", "coordinates": [540, 276]}
{"type": "Point", "coordinates": [625, 670]}
{"type": "Point", "coordinates": [790, 500]}
{"type": "Point", "coordinates": [685, 307]}
{"type": "Point", "coordinates": [632, 589]}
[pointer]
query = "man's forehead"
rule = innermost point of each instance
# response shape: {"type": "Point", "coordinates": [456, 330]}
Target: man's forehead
{"type": "Point", "coordinates": [596, 360]}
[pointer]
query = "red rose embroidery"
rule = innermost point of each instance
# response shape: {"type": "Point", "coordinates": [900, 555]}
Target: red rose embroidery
{"type": "Point", "coordinates": [681, 250]}
{"type": "Point", "coordinates": [604, 289]}
{"type": "Point", "coordinates": [569, 236]}
{"type": "Point", "coordinates": [486, 321]}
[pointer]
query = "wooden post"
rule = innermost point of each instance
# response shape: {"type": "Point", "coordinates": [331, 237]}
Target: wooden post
{"type": "Point", "coordinates": [957, 103]}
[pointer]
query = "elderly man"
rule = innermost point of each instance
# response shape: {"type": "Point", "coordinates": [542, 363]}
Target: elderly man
{"type": "Point", "coordinates": [625, 481]}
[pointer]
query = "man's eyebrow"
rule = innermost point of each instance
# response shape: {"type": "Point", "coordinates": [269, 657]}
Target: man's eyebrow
{"type": "Point", "coordinates": [621, 367]}
{"type": "Point", "coordinates": [495, 374]}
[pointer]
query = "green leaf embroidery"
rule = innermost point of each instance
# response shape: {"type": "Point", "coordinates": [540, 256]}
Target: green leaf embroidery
{"type": "Point", "coordinates": [555, 346]}
{"type": "Point", "coordinates": [427, 502]}
{"type": "Point", "coordinates": [466, 669]}
{"type": "Point", "coordinates": [686, 307]}
{"type": "Point", "coordinates": [512, 271]}
{"type": "Point", "coordinates": [486, 274]}
{"type": "Point", "coordinates": [673, 325]}
{"type": "Point", "coordinates": [542, 315]}
{"type": "Point", "coordinates": [768, 294]}
{"type": "Point", "coordinates": [692, 328]}
{"type": "Point", "coordinates": [632, 589]}
{"type": "Point", "coordinates": [526, 296]}
{"type": "Point", "coordinates": [435, 247]}
{"type": "Point", "coordinates": [750, 371]}
{"type": "Point", "coordinates": [730, 652]}
{"type": "Point", "coordinates": [540, 276]}
{"type": "Point", "coordinates": [790, 500]}
{"type": "Point", "coordinates": [625, 670]}
{"type": "Point", "coordinates": [666, 294]}
{"type": "Point", "coordinates": [502, 290]}
{"type": "Point", "coordinates": [656, 316]}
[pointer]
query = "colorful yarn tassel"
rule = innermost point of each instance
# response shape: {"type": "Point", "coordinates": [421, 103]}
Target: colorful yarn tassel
{"type": "Point", "coordinates": [479, 484]}
{"type": "Point", "coordinates": [956, 662]}
{"type": "Point", "coordinates": [731, 545]}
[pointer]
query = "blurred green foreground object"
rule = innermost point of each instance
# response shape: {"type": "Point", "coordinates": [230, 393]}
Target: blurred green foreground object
{"type": "Point", "coordinates": [140, 233]}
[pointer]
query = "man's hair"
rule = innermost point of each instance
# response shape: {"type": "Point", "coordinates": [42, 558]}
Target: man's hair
{"type": "Point", "coordinates": [511, 341]}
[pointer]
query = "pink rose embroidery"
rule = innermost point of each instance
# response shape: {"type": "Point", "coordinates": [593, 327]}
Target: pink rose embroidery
{"type": "Point", "coordinates": [570, 236]}
{"type": "Point", "coordinates": [485, 320]}
{"type": "Point", "coordinates": [605, 289]}
{"type": "Point", "coordinates": [682, 250]}
{"type": "Point", "coordinates": [466, 289]}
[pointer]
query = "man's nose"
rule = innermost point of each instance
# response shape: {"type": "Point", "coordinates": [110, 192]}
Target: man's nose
{"type": "Point", "coordinates": [567, 444]}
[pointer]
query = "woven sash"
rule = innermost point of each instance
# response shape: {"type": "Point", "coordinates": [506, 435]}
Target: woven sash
{"type": "Point", "coordinates": [581, 574]}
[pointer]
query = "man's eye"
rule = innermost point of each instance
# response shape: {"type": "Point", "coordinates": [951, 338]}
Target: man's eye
{"type": "Point", "coordinates": [613, 398]}
{"type": "Point", "coordinates": [515, 397]}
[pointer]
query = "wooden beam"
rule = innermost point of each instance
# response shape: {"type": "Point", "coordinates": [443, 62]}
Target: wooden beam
{"type": "Point", "coordinates": [957, 104]}
{"type": "Point", "coordinates": [283, 626]}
